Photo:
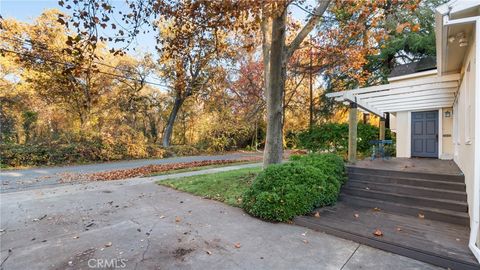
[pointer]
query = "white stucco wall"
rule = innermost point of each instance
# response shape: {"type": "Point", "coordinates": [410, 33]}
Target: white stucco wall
{"type": "Point", "coordinates": [403, 134]}
{"type": "Point", "coordinates": [464, 109]}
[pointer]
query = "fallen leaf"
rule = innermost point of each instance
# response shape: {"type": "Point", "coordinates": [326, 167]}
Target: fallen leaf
{"type": "Point", "coordinates": [109, 244]}
{"type": "Point", "coordinates": [178, 219]}
{"type": "Point", "coordinates": [237, 245]}
{"type": "Point", "coordinates": [420, 215]}
{"type": "Point", "coordinates": [377, 232]}
{"type": "Point", "coordinates": [317, 214]}
{"type": "Point", "coordinates": [376, 209]}
{"type": "Point", "coordinates": [356, 215]}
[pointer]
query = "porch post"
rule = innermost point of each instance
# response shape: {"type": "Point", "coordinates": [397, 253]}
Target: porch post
{"type": "Point", "coordinates": [352, 132]}
{"type": "Point", "coordinates": [382, 129]}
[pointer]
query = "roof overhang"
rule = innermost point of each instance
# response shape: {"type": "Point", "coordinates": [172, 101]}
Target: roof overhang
{"type": "Point", "coordinates": [408, 95]}
{"type": "Point", "coordinates": [452, 19]}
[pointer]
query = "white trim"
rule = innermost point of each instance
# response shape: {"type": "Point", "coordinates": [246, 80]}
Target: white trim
{"type": "Point", "coordinates": [474, 221]}
{"type": "Point", "coordinates": [440, 133]}
{"type": "Point", "coordinates": [413, 75]}
{"type": "Point", "coordinates": [409, 132]}
{"type": "Point", "coordinates": [419, 108]}
{"type": "Point", "coordinates": [396, 85]}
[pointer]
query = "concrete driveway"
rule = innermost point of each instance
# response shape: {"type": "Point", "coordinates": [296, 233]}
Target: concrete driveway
{"type": "Point", "coordinates": [136, 224]}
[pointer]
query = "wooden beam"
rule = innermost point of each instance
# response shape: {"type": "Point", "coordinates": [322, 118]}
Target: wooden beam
{"type": "Point", "coordinates": [416, 108]}
{"type": "Point", "coordinates": [382, 129]}
{"type": "Point", "coordinates": [403, 84]}
{"type": "Point", "coordinates": [352, 133]}
{"type": "Point", "coordinates": [407, 97]}
{"type": "Point", "coordinates": [416, 102]}
{"type": "Point", "coordinates": [445, 103]}
{"type": "Point", "coordinates": [352, 99]}
{"type": "Point", "coordinates": [410, 89]}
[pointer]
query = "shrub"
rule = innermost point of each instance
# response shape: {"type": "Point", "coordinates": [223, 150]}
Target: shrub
{"type": "Point", "coordinates": [333, 137]}
{"type": "Point", "coordinates": [332, 166]}
{"type": "Point", "coordinates": [283, 191]}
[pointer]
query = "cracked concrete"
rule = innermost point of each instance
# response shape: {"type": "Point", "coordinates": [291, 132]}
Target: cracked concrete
{"type": "Point", "coordinates": [140, 225]}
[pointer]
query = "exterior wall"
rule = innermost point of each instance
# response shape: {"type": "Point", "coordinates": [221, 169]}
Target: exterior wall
{"type": "Point", "coordinates": [403, 134]}
{"type": "Point", "coordinates": [447, 134]}
{"type": "Point", "coordinates": [464, 115]}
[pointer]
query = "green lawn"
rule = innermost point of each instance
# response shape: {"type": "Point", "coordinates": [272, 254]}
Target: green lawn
{"type": "Point", "coordinates": [226, 187]}
{"type": "Point", "coordinates": [200, 168]}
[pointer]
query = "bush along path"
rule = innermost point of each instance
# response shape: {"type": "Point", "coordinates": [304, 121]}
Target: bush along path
{"type": "Point", "coordinates": [278, 193]}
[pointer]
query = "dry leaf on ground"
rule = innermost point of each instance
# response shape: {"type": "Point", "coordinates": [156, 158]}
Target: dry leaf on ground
{"type": "Point", "coordinates": [377, 232]}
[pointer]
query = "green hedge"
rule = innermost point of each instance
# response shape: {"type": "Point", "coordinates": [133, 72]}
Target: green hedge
{"type": "Point", "coordinates": [14, 155]}
{"type": "Point", "coordinates": [333, 137]}
{"type": "Point", "coordinates": [283, 191]}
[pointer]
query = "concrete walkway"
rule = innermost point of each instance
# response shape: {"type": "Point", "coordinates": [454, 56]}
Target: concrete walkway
{"type": "Point", "coordinates": [12, 180]}
{"type": "Point", "coordinates": [137, 224]}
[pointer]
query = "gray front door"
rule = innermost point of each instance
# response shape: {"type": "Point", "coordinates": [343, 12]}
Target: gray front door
{"type": "Point", "coordinates": [425, 134]}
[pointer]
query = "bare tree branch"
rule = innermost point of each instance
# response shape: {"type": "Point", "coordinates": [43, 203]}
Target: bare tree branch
{"type": "Point", "coordinates": [314, 19]}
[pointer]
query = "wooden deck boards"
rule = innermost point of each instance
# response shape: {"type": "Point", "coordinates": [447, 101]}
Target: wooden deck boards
{"type": "Point", "coordinates": [431, 241]}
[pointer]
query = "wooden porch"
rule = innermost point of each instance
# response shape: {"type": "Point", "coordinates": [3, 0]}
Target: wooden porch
{"type": "Point", "coordinates": [417, 207]}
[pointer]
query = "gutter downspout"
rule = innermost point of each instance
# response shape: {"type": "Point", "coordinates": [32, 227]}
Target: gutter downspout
{"type": "Point", "coordinates": [474, 221]}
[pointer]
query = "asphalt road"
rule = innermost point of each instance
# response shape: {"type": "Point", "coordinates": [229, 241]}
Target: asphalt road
{"type": "Point", "coordinates": [13, 180]}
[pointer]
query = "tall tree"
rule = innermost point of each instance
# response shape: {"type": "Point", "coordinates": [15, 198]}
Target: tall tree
{"type": "Point", "coordinates": [279, 55]}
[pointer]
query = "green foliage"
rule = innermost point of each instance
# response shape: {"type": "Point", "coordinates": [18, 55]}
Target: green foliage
{"type": "Point", "coordinates": [333, 137]}
{"type": "Point", "coordinates": [85, 150]}
{"type": "Point", "coordinates": [284, 191]}
{"type": "Point", "coordinates": [183, 150]}
{"type": "Point", "coordinates": [226, 187]}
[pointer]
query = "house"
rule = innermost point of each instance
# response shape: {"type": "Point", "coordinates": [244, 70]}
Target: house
{"type": "Point", "coordinates": [435, 113]}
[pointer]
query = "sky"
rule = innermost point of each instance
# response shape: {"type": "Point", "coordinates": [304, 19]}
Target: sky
{"type": "Point", "coordinates": [27, 10]}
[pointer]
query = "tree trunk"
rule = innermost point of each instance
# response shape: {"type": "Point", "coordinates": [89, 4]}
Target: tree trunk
{"type": "Point", "coordinates": [276, 87]}
{"type": "Point", "coordinates": [167, 134]}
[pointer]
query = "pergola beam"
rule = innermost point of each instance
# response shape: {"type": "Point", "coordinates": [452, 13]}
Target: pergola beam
{"type": "Point", "coordinates": [418, 107]}
{"type": "Point", "coordinates": [430, 100]}
{"type": "Point", "coordinates": [363, 105]}
{"type": "Point", "coordinates": [396, 85]}
{"type": "Point", "coordinates": [411, 89]}
{"type": "Point", "coordinates": [398, 100]}
{"type": "Point", "coordinates": [428, 93]}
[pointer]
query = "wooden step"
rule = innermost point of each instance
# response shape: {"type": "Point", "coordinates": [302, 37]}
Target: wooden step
{"type": "Point", "coordinates": [456, 178]}
{"type": "Point", "coordinates": [408, 199]}
{"type": "Point", "coordinates": [439, 243]}
{"type": "Point", "coordinates": [410, 190]}
{"type": "Point", "coordinates": [447, 185]}
{"type": "Point", "coordinates": [433, 213]}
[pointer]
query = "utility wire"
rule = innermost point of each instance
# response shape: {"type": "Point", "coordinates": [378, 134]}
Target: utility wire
{"type": "Point", "coordinates": [66, 63]}
{"type": "Point", "coordinates": [18, 40]}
